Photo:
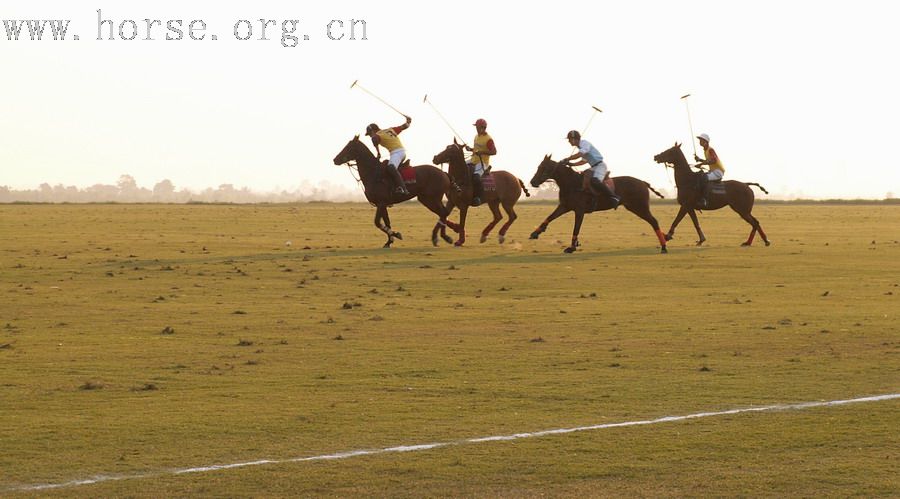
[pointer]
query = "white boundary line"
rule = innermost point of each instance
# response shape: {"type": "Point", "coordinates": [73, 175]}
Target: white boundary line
{"type": "Point", "coordinates": [421, 447]}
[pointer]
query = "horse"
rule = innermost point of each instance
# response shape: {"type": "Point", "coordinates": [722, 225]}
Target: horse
{"type": "Point", "coordinates": [431, 184]}
{"type": "Point", "coordinates": [634, 194]}
{"type": "Point", "coordinates": [738, 195]}
{"type": "Point", "coordinates": [506, 192]}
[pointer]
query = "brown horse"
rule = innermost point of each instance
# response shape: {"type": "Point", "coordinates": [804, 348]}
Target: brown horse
{"type": "Point", "coordinates": [507, 189]}
{"type": "Point", "coordinates": [634, 193]}
{"type": "Point", "coordinates": [430, 186]}
{"type": "Point", "coordinates": [737, 195]}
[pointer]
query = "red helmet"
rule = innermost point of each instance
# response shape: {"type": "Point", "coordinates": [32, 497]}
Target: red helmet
{"type": "Point", "coordinates": [480, 122]}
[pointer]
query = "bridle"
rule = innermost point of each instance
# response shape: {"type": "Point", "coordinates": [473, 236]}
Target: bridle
{"type": "Point", "coordinates": [353, 168]}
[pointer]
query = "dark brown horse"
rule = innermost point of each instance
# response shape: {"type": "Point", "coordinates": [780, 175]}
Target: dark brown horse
{"type": "Point", "coordinates": [429, 188]}
{"type": "Point", "coordinates": [635, 195]}
{"type": "Point", "coordinates": [506, 192]}
{"type": "Point", "coordinates": [737, 195]}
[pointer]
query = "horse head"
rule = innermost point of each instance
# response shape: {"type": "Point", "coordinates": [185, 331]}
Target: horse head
{"type": "Point", "coordinates": [545, 171]}
{"type": "Point", "coordinates": [353, 151]}
{"type": "Point", "coordinates": [452, 152]}
{"type": "Point", "coordinates": [671, 156]}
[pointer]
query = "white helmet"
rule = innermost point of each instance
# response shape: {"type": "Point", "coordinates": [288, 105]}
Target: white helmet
{"type": "Point", "coordinates": [703, 136]}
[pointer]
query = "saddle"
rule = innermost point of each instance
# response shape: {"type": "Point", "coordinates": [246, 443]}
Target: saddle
{"type": "Point", "coordinates": [586, 183]}
{"type": "Point", "coordinates": [596, 196]}
{"type": "Point", "coordinates": [404, 164]}
{"type": "Point", "coordinates": [407, 173]}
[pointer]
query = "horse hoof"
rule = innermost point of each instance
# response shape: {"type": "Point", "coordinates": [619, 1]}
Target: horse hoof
{"type": "Point", "coordinates": [387, 246]}
{"type": "Point", "coordinates": [700, 242]}
{"type": "Point", "coordinates": [502, 238]}
{"type": "Point", "coordinates": [768, 243]}
{"type": "Point", "coordinates": [459, 244]}
{"type": "Point", "coordinates": [398, 235]}
{"type": "Point", "coordinates": [669, 237]}
{"type": "Point", "coordinates": [483, 239]}
{"type": "Point", "coordinates": [745, 245]}
{"type": "Point", "coordinates": [534, 235]}
{"type": "Point", "coordinates": [570, 249]}
{"type": "Point", "coordinates": [447, 239]}
{"type": "Point", "coordinates": [663, 250]}
{"type": "Point", "coordinates": [434, 241]}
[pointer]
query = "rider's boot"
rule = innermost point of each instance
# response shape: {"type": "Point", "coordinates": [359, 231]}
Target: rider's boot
{"type": "Point", "coordinates": [398, 181]}
{"type": "Point", "coordinates": [703, 202]}
{"type": "Point", "coordinates": [477, 189]}
{"type": "Point", "coordinates": [604, 190]}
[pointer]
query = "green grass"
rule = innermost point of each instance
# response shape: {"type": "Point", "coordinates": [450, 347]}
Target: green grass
{"type": "Point", "coordinates": [137, 339]}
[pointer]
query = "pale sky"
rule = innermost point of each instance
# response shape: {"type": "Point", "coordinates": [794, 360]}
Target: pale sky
{"type": "Point", "coordinates": [799, 96]}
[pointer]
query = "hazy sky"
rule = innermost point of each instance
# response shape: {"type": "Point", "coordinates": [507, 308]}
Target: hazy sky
{"type": "Point", "coordinates": [799, 96]}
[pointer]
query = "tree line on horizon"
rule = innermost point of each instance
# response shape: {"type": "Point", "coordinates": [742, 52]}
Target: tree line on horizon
{"type": "Point", "coordinates": [126, 190]}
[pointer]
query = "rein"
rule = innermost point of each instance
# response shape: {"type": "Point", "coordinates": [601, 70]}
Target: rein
{"type": "Point", "coordinates": [351, 167]}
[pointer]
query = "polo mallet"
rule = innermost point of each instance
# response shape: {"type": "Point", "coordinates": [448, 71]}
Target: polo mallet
{"type": "Point", "coordinates": [441, 116]}
{"type": "Point", "coordinates": [588, 125]}
{"type": "Point", "coordinates": [590, 121]}
{"type": "Point", "coordinates": [691, 125]}
{"type": "Point", "coordinates": [364, 89]}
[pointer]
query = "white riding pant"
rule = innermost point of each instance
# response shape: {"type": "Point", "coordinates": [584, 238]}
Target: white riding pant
{"type": "Point", "coordinates": [599, 171]}
{"type": "Point", "coordinates": [479, 169]}
{"type": "Point", "coordinates": [397, 157]}
{"type": "Point", "coordinates": [715, 175]}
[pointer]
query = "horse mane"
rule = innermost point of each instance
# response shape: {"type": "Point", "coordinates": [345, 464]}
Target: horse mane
{"type": "Point", "coordinates": [680, 160]}
{"type": "Point", "coordinates": [460, 165]}
{"type": "Point", "coordinates": [566, 176]}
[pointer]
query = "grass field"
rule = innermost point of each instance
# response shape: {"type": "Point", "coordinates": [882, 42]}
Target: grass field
{"type": "Point", "coordinates": [139, 339]}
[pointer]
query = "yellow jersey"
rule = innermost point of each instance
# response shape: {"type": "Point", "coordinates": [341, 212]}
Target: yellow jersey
{"type": "Point", "coordinates": [482, 143]}
{"type": "Point", "coordinates": [389, 138]}
{"type": "Point", "coordinates": [713, 158]}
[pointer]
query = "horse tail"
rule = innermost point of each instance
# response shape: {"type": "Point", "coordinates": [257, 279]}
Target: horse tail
{"type": "Point", "coordinates": [760, 187]}
{"type": "Point", "coordinates": [527, 194]}
{"type": "Point", "coordinates": [654, 190]}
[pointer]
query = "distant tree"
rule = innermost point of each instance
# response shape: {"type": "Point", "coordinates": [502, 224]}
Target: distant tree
{"type": "Point", "coordinates": [164, 191]}
{"type": "Point", "coordinates": [127, 183]}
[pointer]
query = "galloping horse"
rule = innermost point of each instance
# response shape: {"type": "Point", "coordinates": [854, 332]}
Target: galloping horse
{"type": "Point", "coordinates": [634, 193]}
{"type": "Point", "coordinates": [507, 189]}
{"type": "Point", "coordinates": [429, 188]}
{"type": "Point", "coordinates": [737, 195]}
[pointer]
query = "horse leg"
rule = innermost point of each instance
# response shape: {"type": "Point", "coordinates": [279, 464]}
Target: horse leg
{"type": "Point", "coordinates": [694, 219]}
{"type": "Point", "coordinates": [463, 211]}
{"type": "Point", "coordinates": [495, 209]}
{"type": "Point", "coordinates": [453, 226]}
{"type": "Point", "coordinates": [434, 232]}
{"type": "Point", "coordinates": [447, 223]}
{"type": "Point", "coordinates": [643, 212]}
{"type": "Point", "coordinates": [560, 209]}
{"type": "Point", "coordinates": [437, 207]}
{"type": "Point", "coordinates": [381, 214]}
{"type": "Point", "coordinates": [579, 217]}
{"type": "Point", "coordinates": [750, 219]}
{"type": "Point", "coordinates": [511, 213]}
{"type": "Point", "coordinates": [441, 224]}
{"type": "Point", "coordinates": [682, 211]}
